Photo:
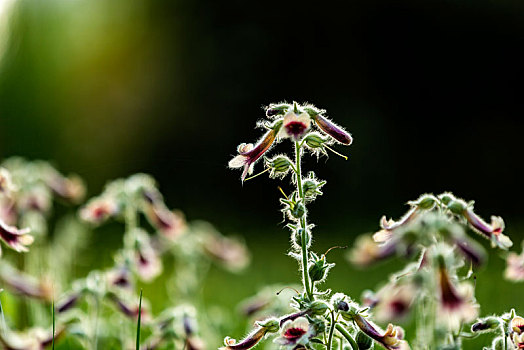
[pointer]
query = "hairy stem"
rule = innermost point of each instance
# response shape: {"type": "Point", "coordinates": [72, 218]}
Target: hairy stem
{"type": "Point", "coordinates": [303, 225]}
{"type": "Point", "coordinates": [331, 331]}
{"type": "Point", "coordinates": [346, 335]}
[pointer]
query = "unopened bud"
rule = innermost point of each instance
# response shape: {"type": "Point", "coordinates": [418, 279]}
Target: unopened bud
{"type": "Point", "coordinates": [457, 206]}
{"type": "Point", "coordinates": [273, 110]}
{"type": "Point", "coordinates": [446, 198]}
{"type": "Point", "coordinates": [363, 341]}
{"type": "Point", "coordinates": [271, 325]}
{"type": "Point", "coordinates": [343, 306]}
{"type": "Point", "coordinates": [314, 140]}
{"type": "Point", "coordinates": [426, 202]}
{"type": "Point", "coordinates": [498, 344]}
{"type": "Point", "coordinates": [318, 308]}
{"type": "Point", "coordinates": [279, 165]}
{"type": "Point", "coordinates": [298, 210]}
{"type": "Point", "coordinates": [487, 324]}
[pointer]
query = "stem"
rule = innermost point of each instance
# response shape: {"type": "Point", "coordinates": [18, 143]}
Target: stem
{"type": "Point", "coordinates": [331, 331]}
{"type": "Point", "coordinates": [348, 336]}
{"type": "Point", "coordinates": [303, 225]}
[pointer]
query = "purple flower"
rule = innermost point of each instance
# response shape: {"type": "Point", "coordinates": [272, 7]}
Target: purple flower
{"type": "Point", "coordinates": [170, 224]}
{"type": "Point", "coordinates": [249, 154]}
{"type": "Point", "coordinates": [456, 304]}
{"type": "Point", "coordinates": [492, 231]}
{"type": "Point", "coordinates": [391, 339]}
{"type": "Point", "coordinates": [17, 239]}
{"type": "Point", "coordinates": [247, 343]}
{"type": "Point", "coordinates": [25, 284]}
{"type": "Point", "coordinates": [332, 129]}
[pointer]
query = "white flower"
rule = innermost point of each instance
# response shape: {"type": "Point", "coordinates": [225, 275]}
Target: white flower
{"type": "Point", "coordinates": [295, 333]}
{"type": "Point", "coordinates": [295, 126]}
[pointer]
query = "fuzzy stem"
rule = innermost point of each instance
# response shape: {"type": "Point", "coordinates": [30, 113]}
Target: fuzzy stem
{"type": "Point", "coordinates": [348, 336]}
{"type": "Point", "coordinates": [303, 225]}
{"type": "Point", "coordinates": [331, 331]}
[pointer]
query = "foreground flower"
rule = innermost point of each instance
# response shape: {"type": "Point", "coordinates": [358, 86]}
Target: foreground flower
{"type": "Point", "coordinates": [516, 329]}
{"type": "Point", "coordinates": [249, 154]}
{"type": "Point", "coordinates": [250, 341]}
{"type": "Point", "coordinates": [16, 239]}
{"type": "Point", "coordinates": [295, 126]}
{"type": "Point", "coordinates": [294, 333]}
{"type": "Point", "coordinates": [456, 305]}
{"type": "Point", "coordinates": [391, 339]}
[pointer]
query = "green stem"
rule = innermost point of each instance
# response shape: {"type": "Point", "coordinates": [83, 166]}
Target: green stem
{"type": "Point", "coordinates": [303, 225]}
{"type": "Point", "coordinates": [348, 336]}
{"type": "Point", "coordinates": [331, 331]}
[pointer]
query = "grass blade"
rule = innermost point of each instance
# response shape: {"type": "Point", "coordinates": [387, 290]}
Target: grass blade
{"type": "Point", "coordinates": [138, 322]}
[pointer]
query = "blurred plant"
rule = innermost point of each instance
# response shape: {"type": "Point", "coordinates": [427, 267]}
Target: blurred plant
{"type": "Point", "coordinates": [435, 285]}
{"type": "Point", "coordinates": [318, 321]}
{"type": "Point", "coordinates": [89, 308]}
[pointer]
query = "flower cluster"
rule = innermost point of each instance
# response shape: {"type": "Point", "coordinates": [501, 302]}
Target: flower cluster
{"type": "Point", "coordinates": [433, 234]}
{"type": "Point", "coordinates": [315, 319]}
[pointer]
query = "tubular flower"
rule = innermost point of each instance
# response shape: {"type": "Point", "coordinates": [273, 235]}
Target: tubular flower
{"type": "Point", "coordinates": [229, 252]}
{"type": "Point", "coordinates": [249, 154]}
{"type": "Point", "coordinates": [389, 225]}
{"type": "Point", "coordinates": [492, 231]}
{"type": "Point", "coordinates": [295, 126]}
{"type": "Point", "coordinates": [6, 183]}
{"type": "Point", "coordinates": [16, 239]}
{"type": "Point", "coordinates": [516, 328]}
{"type": "Point", "coordinates": [25, 284]}
{"type": "Point", "coordinates": [332, 129]}
{"type": "Point", "coordinates": [250, 341]}
{"type": "Point", "coordinates": [391, 339]}
{"type": "Point", "coordinates": [170, 224]}
{"type": "Point", "coordinates": [456, 305]}
{"type": "Point", "coordinates": [394, 302]}
{"type": "Point", "coordinates": [295, 333]}
{"type": "Point", "coordinates": [515, 267]}
{"type": "Point", "coordinates": [367, 252]}
{"type": "Point", "coordinates": [69, 188]}
{"type": "Point", "coordinates": [98, 210]}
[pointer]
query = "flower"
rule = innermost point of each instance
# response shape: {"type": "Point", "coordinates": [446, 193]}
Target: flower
{"type": "Point", "coordinates": [295, 126]}
{"type": "Point", "coordinates": [294, 333]}
{"type": "Point", "coordinates": [391, 339]}
{"type": "Point", "coordinates": [24, 284]}
{"type": "Point", "coordinates": [17, 239]}
{"type": "Point", "coordinates": [252, 339]}
{"type": "Point", "coordinates": [147, 262]}
{"type": "Point", "coordinates": [388, 226]}
{"type": "Point", "coordinates": [228, 252]}
{"type": "Point", "coordinates": [249, 154]}
{"type": "Point", "coordinates": [6, 183]}
{"type": "Point", "coordinates": [394, 302]}
{"type": "Point", "coordinates": [99, 209]}
{"type": "Point", "coordinates": [492, 231]}
{"type": "Point", "coordinates": [332, 129]}
{"type": "Point", "coordinates": [170, 223]}
{"type": "Point", "coordinates": [515, 267]}
{"type": "Point", "coordinates": [367, 252]}
{"type": "Point", "coordinates": [70, 188]}
{"type": "Point", "coordinates": [456, 304]}
{"type": "Point", "coordinates": [516, 328]}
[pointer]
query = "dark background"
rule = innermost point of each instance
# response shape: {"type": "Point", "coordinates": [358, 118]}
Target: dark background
{"type": "Point", "coordinates": [431, 91]}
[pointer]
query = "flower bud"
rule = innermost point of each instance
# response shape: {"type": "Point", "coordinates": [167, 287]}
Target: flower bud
{"type": "Point", "coordinates": [279, 165]}
{"type": "Point", "coordinates": [485, 325]}
{"type": "Point", "coordinates": [446, 197]}
{"type": "Point", "coordinates": [319, 269]}
{"type": "Point", "coordinates": [315, 141]}
{"type": "Point", "coordinates": [271, 325]}
{"type": "Point", "coordinates": [498, 344]}
{"type": "Point", "coordinates": [318, 308]}
{"type": "Point", "coordinates": [277, 109]}
{"type": "Point", "coordinates": [298, 210]}
{"type": "Point", "coordinates": [363, 341]}
{"type": "Point", "coordinates": [425, 202]}
{"type": "Point", "coordinates": [457, 206]}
